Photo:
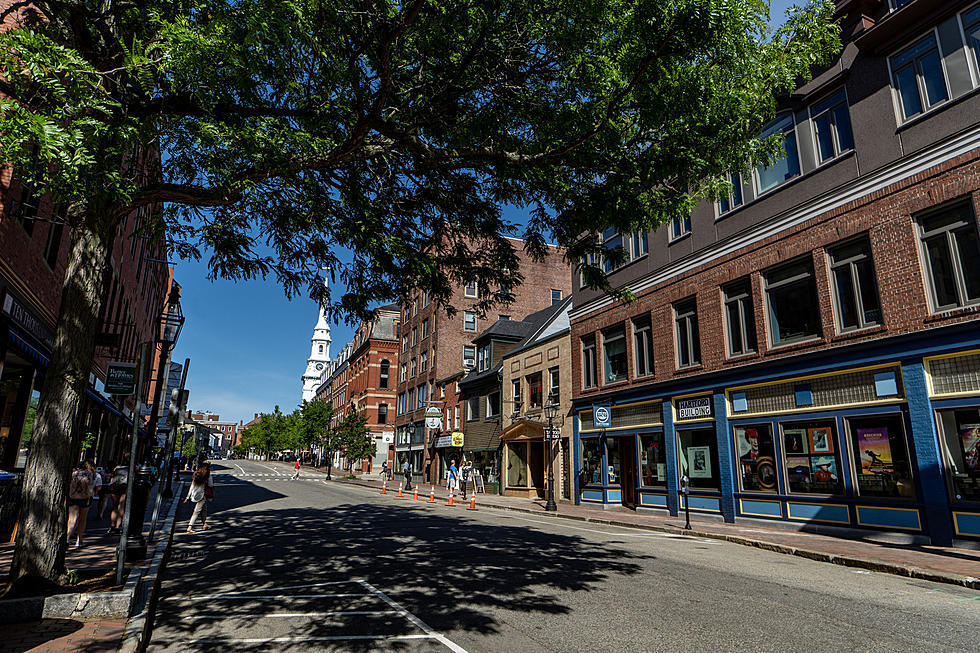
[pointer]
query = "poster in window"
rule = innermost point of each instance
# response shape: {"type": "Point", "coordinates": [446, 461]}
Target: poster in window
{"type": "Point", "coordinates": [765, 471]}
{"type": "Point", "coordinates": [970, 437]}
{"type": "Point", "coordinates": [795, 441]}
{"type": "Point", "coordinates": [699, 462]}
{"type": "Point", "coordinates": [798, 468]}
{"type": "Point", "coordinates": [824, 469]}
{"type": "Point", "coordinates": [821, 440]}
{"type": "Point", "coordinates": [875, 450]}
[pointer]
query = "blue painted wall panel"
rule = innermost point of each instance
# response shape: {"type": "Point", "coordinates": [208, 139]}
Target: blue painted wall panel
{"type": "Point", "coordinates": [592, 495]}
{"type": "Point", "coordinates": [889, 518]}
{"type": "Point", "coordinates": [755, 507]}
{"type": "Point", "coordinates": [967, 523]}
{"type": "Point", "coordinates": [818, 512]}
{"type": "Point", "coordinates": [614, 496]}
{"type": "Point", "coordinates": [705, 503]}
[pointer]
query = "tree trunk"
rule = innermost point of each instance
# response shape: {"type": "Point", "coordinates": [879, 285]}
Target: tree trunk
{"type": "Point", "coordinates": [39, 550]}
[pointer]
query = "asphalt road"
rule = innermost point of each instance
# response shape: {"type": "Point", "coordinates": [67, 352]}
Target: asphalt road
{"type": "Point", "coordinates": [307, 565]}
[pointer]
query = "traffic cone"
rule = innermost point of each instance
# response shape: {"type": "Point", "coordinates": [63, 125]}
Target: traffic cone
{"type": "Point", "coordinates": [450, 502]}
{"type": "Point", "coordinates": [400, 490]}
{"type": "Point", "coordinates": [472, 501]}
{"type": "Point", "coordinates": [384, 486]}
{"type": "Point", "coordinates": [415, 495]}
{"type": "Point", "coordinates": [432, 494]}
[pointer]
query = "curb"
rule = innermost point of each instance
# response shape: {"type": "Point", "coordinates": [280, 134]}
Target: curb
{"type": "Point", "coordinates": [908, 571]}
{"type": "Point", "coordinates": [137, 632]}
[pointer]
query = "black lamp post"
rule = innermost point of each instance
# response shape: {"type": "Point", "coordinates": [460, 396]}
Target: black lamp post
{"type": "Point", "coordinates": [551, 411]}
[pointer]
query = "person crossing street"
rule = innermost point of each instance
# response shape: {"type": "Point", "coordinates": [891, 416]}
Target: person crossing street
{"type": "Point", "coordinates": [295, 470]}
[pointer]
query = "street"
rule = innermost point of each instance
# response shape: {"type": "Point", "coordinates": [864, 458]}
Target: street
{"type": "Point", "coordinates": [308, 565]}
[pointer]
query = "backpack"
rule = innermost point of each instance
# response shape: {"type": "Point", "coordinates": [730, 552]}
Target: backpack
{"type": "Point", "coordinates": [81, 485]}
{"type": "Point", "coordinates": [120, 476]}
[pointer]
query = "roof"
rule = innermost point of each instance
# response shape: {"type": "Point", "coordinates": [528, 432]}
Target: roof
{"type": "Point", "coordinates": [555, 323]}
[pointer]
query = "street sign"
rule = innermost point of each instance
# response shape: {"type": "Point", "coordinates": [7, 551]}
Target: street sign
{"type": "Point", "coordinates": [602, 416]}
{"type": "Point", "coordinates": [552, 434]}
{"type": "Point", "coordinates": [120, 379]}
{"type": "Point", "coordinates": [457, 439]}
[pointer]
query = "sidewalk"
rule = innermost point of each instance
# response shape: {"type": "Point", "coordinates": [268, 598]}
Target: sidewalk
{"type": "Point", "coordinates": [958, 566]}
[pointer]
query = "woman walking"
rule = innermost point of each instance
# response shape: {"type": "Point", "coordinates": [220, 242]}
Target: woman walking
{"type": "Point", "coordinates": [120, 484]}
{"type": "Point", "coordinates": [79, 498]}
{"type": "Point", "coordinates": [201, 483]}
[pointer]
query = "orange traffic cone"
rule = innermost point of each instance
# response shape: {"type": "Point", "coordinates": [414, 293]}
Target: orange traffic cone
{"type": "Point", "coordinates": [415, 495]}
{"type": "Point", "coordinates": [450, 502]}
{"type": "Point", "coordinates": [384, 486]}
{"type": "Point", "coordinates": [400, 490]}
{"type": "Point", "coordinates": [432, 494]}
{"type": "Point", "coordinates": [472, 501]}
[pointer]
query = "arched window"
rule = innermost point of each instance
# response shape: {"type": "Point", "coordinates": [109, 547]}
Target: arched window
{"type": "Point", "coordinates": [321, 349]}
{"type": "Point", "coordinates": [385, 365]}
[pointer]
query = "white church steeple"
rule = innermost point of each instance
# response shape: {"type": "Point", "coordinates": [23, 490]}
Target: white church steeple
{"type": "Point", "coordinates": [319, 354]}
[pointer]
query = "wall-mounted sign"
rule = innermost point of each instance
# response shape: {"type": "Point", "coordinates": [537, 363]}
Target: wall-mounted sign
{"type": "Point", "coordinates": [457, 439]}
{"type": "Point", "coordinates": [602, 416]}
{"type": "Point", "coordinates": [388, 437]}
{"type": "Point", "coordinates": [23, 318]}
{"type": "Point", "coordinates": [694, 408]}
{"type": "Point", "coordinates": [120, 379]}
{"type": "Point", "coordinates": [443, 441]}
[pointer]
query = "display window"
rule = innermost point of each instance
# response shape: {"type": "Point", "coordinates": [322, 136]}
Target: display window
{"type": "Point", "coordinates": [698, 452]}
{"type": "Point", "coordinates": [756, 458]}
{"type": "Point", "coordinates": [882, 467]}
{"type": "Point", "coordinates": [614, 462]}
{"type": "Point", "coordinates": [653, 460]}
{"type": "Point", "coordinates": [959, 429]}
{"type": "Point", "coordinates": [591, 462]}
{"type": "Point", "coordinates": [812, 459]}
{"type": "Point", "coordinates": [517, 464]}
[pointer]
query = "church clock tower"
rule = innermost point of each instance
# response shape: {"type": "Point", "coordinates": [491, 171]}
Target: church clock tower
{"type": "Point", "coordinates": [319, 355]}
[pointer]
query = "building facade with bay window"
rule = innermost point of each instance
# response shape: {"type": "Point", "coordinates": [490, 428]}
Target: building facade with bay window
{"type": "Point", "coordinates": [806, 349]}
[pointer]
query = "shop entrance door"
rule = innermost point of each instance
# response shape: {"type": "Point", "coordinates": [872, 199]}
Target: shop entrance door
{"type": "Point", "coordinates": [627, 448]}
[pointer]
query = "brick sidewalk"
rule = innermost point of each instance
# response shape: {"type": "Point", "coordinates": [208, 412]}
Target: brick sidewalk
{"type": "Point", "coordinates": [63, 635]}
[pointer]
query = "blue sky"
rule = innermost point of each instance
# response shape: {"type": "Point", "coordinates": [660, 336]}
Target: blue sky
{"type": "Point", "coordinates": [248, 344]}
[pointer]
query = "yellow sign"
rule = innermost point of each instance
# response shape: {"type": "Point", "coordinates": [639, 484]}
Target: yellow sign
{"type": "Point", "coordinates": [457, 439]}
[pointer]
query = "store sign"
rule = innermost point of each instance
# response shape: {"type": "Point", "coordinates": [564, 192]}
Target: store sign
{"type": "Point", "coordinates": [388, 437]}
{"type": "Point", "coordinates": [120, 379]}
{"type": "Point", "coordinates": [694, 408]}
{"type": "Point", "coordinates": [457, 439]}
{"type": "Point", "coordinates": [602, 417]}
{"type": "Point", "coordinates": [443, 441]}
{"type": "Point", "coordinates": [433, 422]}
{"type": "Point", "coordinates": [26, 320]}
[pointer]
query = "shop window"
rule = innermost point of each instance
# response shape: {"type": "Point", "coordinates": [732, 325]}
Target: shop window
{"type": "Point", "coordinates": [686, 332]}
{"type": "Point", "coordinates": [787, 166]}
{"type": "Point", "coordinates": [794, 310]}
{"type": "Point", "coordinates": [732, 200]}
{"type": "Point", "coordinates": [971, 27]}
{"type": "Point", "coordinates": [949, 244]}
{"type": "Point", "coordinates": [852, 274]}
{"type": "Point", "coordinates": [698, 450]}
{"type": "Point", "coordinates": [472, 409]}
{"type": "Point", "coordinates": [960, 431]}
{"type": "Point", "coordinates": [812, 459]}
{"type": "Point", "coordinates": [832, 127]}
{"type": "Point", "coordinates": [642, 347]}
{"type": "Point", "coordinates": [534, 390]}
{"type": "Point", "coordinates": [591, 462]}
{"type": "Point", "coordinates": [517, 464]}
{"type": "Point", "coordinates": [739, 318]}
{"type": "Point", "coordinates": [588, 362]}
{"type": "Point", "coordinates": [469, 321]}
{"type": "Point", "coordinates": [756, 458]}
{"type": "Point", "coordinates": [919, 79]}
{"type": "Point", "coordinates": [882, 467]}
{"type": "Point", "coordinates": [614, 461]}
{"type": "Point", "coordinates": [493, 404]}
{"type": "Point", "coordinates": [614, 355]}
{"type": "Point", "coordinates": [385, 372]}
{"type": "Point", "coordinates": [653, 460]}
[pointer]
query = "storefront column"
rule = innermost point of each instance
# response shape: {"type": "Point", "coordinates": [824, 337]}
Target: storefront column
{"type": "Point", "coordinates": [576, 462]}
{"type": "Point", "coordinates": [670, 451]}
{"type": "Point", "coordinates": [725, 457]}
{"type": "Point", "coordinates": [925, 441]}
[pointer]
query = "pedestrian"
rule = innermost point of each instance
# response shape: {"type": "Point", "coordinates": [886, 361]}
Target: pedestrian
{"type": "Point", "coordinates": [384, 470]}
{"type": "Point", "coordinates": [407, 471]}
{"type": "Point", "coordinates": [465, 471]}
{"type": "Point", "coordinates": [201, 485]}
{"type": "Point", "coordinates": [105, 497]}
{"type": "Point", "coordinates": [452, 483]}
{"type": "Point", "coordinates": [97, 488]}
{"type": "Point", "coordinates": [295, 470]}
{"type": "Point", "coordinates": [79, 498]}
{"type": "Point", "coordinates": [120, 483]}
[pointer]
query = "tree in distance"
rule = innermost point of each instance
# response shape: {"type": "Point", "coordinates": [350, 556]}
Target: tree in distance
{"type": "Point", "coordinates": [355, 439]}
{"type": "Point", "coordinates": [269, 136]}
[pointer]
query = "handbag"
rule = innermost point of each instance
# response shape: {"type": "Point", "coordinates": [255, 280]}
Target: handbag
{"type": "Point", "coordinates": [209, 492]}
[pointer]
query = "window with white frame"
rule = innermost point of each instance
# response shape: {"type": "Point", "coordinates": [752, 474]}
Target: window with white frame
{"type": "Point", "coordinates": [639, 244]}
{"type": "Point", "coordinates": [739, 318]}
{"type": "Point", "coordinates": [469, 321]}
{"type": "Point", "coordinates": [456, 416]}
{"type": "Point", "coordinates": [611, 240]}
{"type": "Point", "coordinates": [425, 299]}
{"type": "Point", "coordinates": [952, 256]}
{"type": "Point", "coordinates": [470, 290]}
{"type": "Point", "coordinates": [472, 409]}
{"type": "Point", "coordinates": [469, 356]}
{"type": "Point", "coordinates": [425, 329]}
{"type": "Point", "coordinates": [687, 334]}
{"type": "Point", "coordinates": [401, 403]}
{"type": "Point", "coordinates": [614, 355]}
{"type": "Point", "coordinates": [788, 165]}
{"type": "Point", "coordinates": [642, 346]}
{"type": "Point", "coordinates": [554, 384]}
{"type": "Point", "coordinates": [971, 27]}
{"type": "Point", "coordinates": [792, 303]}
{"type": "Point", "coordinates": [732, 200]}
{"type": "Point", "coordinates": [852, 274]}
{"type": "Point", "coordinates": [680, 226]}
{"type": "Point", "coordinates": [415, 368]}
{"type": "Point", "coordinates": [920, 82]}
{"type": "Point", "coordinates": [831, 127]}
{"type": "Point", "coordinates": [415, 336]}
{"type": "Point", "coordinates": [515, 395]}
{"type": "Point", "coordinates": [555, 296]}
{"type": "Point", "coordinates": [483, 358]}
{"type": "Point", "coordinates": [493, 404]}
{"type": "Point", "coordinates": [403, 375]}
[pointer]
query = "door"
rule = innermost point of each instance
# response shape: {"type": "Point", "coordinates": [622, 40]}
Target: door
{"type": "Point", "coordinates": [627, 447]}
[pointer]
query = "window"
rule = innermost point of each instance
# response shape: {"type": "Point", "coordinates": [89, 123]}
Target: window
{"type": "Point", "coordinates": [456, 416]}
{"type": "Point", "coordinates": [415, 336]}
{"type": "Point", "coordinates": [688, 337]}
{"type": "Point", "coordinates": [634, 246]}
{"type": "Point", "coordinates": [415, 307]}
{"type": "Point", "coordinates": [424, 361]}
{"type": "Point", "coordinates": [756, 458]}
{"type": "Point", "coordinates": [611, 240]}
{"type": "Point", "coordinates": [53, 246]}
{"type": "Point", "coordinates": [642, 347]}
{"type": "Point", "coordinates": [739, 318]}
{"type": "Point", "coordinates": [382, 413]}
{"type": "Point", "coordinates": [591, 462]}
{"type": "Point", "coordinates": [794, 311]}
{"type": "Point", "coordinates": [639, 245]}
{"type": "Point", "coordinates": [405, 343]}
{"type": "Point", "coordinates": [554, 384]}
{"type": "Point", "coordinates": [321, 349]}
{"type": "Point", "coordinates": [734, 199]}
{"type": "Point", "coordinates": [506, 292]}
{"type": "Point", "coordinates": [919, 79]}
{"type": "Point", "coordinates": [517, 475]}
{"type": "Point", "coordinates": [971, 27]}
{"type": "Point", "coordinates": [698, 452]}
{"type": "Point", "coordinates": [425, 329]}
{"type": "Point", "coordinates": [852, 275]}
{"type": "Point", "coordinates": [403, 373]}
{"type": "Point", "coordinates": [555, 296]}
{"type": "Point", "coordinates": [952, 257]}
{"type": "Point", "coordinates": [882, 467]}
{"type": "Point", "coordinates": [534, 390]}
{"type": "Point", "coordinates": [411, 399]}
{"type": "Point", "coordinates": [425, 299]}
{"type": "Point", "coordinates": [471, 290]}
{"type": "Point", "coordinates": [832, 127]}
{"type": "Point", "coordinates": [469, 356]}
{"type": "Point", "coordinates": [959, 431]}
{"type": "Point", "coordinates": [483, 358]}
{"type": "Point", "coordinates": [493, 404]}
{"type": "Point", "coordinates": [472, 409]}
{"type": "Point", "coordinates": [614, 355]}
{"type": "Point", "coordinates": [588, 362]}
{"type": "Point", "coordinates": [415, 368]}
{"type": "Point", "coordinates": [813, 463]}
{"type": "Point", "coordinates": [786, 167]}
{"type": "Point", "coordinates": [653, 460]}
{"type": "Point", "coordinates": [24, 210]}
{"type": "Point", "coordinates": [469, 321]}
{"type": "Point", "coordinates": [423, 395]}
{"type": "Point", "coordinates": [383, 379]}
{"type": "Point", "coordinates": [680, 226]}
{"type": "Point", "coordinates": [516, 395]}
{"type": "Point", "coordinates": [614, 461]}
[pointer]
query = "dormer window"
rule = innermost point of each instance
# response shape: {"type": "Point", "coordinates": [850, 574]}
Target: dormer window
{"type": "Point", "coordinates": [483, 358]}
{"type": "Point", "coordinates": [786, 167]}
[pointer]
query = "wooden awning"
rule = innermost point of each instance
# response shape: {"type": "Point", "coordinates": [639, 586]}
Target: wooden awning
{"type": "Point", "coordinates": [523, 429]}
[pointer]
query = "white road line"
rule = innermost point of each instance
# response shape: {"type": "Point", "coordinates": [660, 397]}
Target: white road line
{"type": "Point", "coordinates": [334, 638]}
{"type": "Point", "coordinates": [289, 615]}
{"type": "Point", "coordinates": [618, 533]}
{"type": "Point", "coordinates": [421, 625]}
{"type": "Point", "coordinates": [293, 587]}
{"type": "Point", "coordinates": [240, 468]}
{"type": "Point", "coordinates": [279, 597]}
{"type": "Point", "coordinates": [272, 468]}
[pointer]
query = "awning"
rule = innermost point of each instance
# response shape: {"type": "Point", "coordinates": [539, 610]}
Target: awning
{"type": "Point", "coordinates": [23, 344]}
{"type": "Point", "coordinates": [102, 401]}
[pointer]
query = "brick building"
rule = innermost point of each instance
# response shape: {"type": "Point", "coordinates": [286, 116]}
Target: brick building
{"type": "Point", "coordinates": [806, 349]}
{"type": "Point", "coordinates": [227, 432]}
{"type": "Point", "coordinates": [436, 351]}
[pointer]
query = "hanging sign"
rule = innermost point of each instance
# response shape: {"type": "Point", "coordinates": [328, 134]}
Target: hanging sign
{"type": "Point", "coordinates": [694, 408]}
{"type": "Point", "coordinates": [602, 416]}
{"type": "Point", "coordinates": [120, 379]}
{"type": "Point", "coordinates": [433, 417]}
{"type": "Point", "coordinates": [457, 439]}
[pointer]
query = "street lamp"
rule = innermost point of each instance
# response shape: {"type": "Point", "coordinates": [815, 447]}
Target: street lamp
{"type": "Point", "coordinates": [551, 411]}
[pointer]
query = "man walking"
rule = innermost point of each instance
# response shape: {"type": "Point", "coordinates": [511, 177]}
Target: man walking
{"type": "Point", "coordinates": [295, 470]}
{"type": "Point", "coordinates": [407, 470]}
{"type": "Point", "coordinates": [464, 476]}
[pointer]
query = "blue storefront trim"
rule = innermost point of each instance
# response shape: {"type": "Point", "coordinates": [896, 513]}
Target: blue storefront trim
{"type": "Point", "coordinates": [966, 523]}
{"type": "Point", "coordinates": [653, 500]}
{"type": "Point", "coordinates": [906, 519]}
{"type": "Point", "coordinates": [822, 512]}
